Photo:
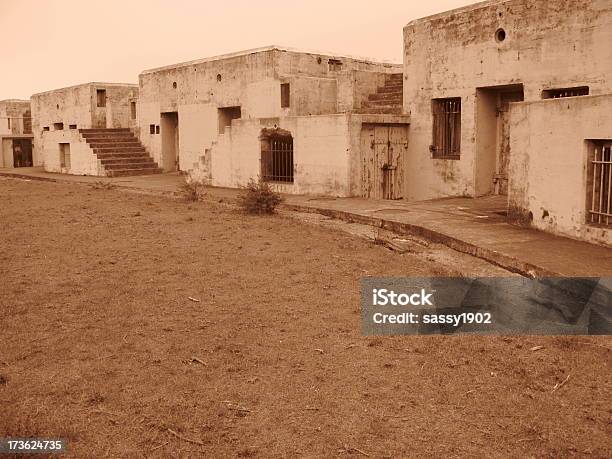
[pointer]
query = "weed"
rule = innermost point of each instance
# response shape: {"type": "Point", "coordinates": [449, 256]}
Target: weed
{"type": "Point", "coordinates": [192, 190]}
{"type": "Point", "coordinates": [258, 197]}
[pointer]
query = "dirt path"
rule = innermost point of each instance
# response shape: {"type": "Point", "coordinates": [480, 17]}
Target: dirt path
{"type": "Point", "coordinates": [100, 343]}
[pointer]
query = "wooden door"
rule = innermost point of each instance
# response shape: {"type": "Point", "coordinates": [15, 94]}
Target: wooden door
{"type": "Point", "coordinates": [383, 150]}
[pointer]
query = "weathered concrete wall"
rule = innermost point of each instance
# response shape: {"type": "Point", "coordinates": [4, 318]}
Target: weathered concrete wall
{"type": "Point", "coordinates": [249, 80]}
{"type": "Point", "coordinates": [6, 151]}
{"type": "Point", "coordinates": [548, 44]}
{"type": "Point", "coordinates": [312, 96]}
{"type": "Point", "coordinates": [116, 113]}
{"type": "Point", "coordinates": [318, 65]}
{"type": "Point", "coordinates": [195, 91]}
{"type": "Point", "coordinates": [321, 152]}
{"type": "Point", "coordinates": [548, 164]}
{"type": "Point", "coordinates": [82, 158]}
{"type": "Point", "coordinates": [14, 117]}
{"type": "Point", "coordinates": [77, 106]}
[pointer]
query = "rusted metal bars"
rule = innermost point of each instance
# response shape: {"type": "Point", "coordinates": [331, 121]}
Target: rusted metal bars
{"type": "Point", "coordinates": [601, 188]}
{"type": "Point", "coordinates": [277, 162]}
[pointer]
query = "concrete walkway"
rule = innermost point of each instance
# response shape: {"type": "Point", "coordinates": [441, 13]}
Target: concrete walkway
{"type": "Point", "coordinates": [474, 226]}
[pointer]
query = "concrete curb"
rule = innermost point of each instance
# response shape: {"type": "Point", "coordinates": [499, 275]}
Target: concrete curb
{"type": "Point", "coordinates": [499, 259]}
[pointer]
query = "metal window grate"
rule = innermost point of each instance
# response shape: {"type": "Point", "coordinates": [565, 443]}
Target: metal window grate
{"type": "Point", "coordinates": [565, 92]}
{"type": "Point", "coordinates": [277, 160]}
{"type": "Point", "coordinates": [600, 189]}
{"type": "Point", "coordinates": [446, 128]}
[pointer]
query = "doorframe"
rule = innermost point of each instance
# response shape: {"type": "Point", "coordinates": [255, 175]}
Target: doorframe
{"type": "Point", "coordinates": [20, 141]}
{"type": "Point", "coordinates": [170, 126]}
{"type": "Point", "coordinates": [487, 134]}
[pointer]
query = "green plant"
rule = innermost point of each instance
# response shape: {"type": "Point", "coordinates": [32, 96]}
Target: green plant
{"type": "Point", "coordinates": [258, 197]}
{"type": "Point", "coordinates": [191, 190]}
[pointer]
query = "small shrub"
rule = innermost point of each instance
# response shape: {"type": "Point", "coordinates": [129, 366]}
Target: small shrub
{"type": "Point", "coordinates": [258, 197]}
{"type": "Point", "coordinates": [103, 185]}
{"type": "Point", "coordinates": [192, 190]}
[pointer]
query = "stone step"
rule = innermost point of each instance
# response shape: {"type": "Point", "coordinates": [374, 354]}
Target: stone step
{"type": "Point", "coordinates": [140, 149]}
{"type": "Point", "coordinates": [103, 130]}
{"type": "Point", "coordinates": [126, 166]}
{"type": "Point", "coordinates": [126, 160]}
{"type": "Point", "coordinates": [395, 76]}
{"type": "Point", "coordinates": [393, 110]}
{"type": "Point", "coordinates": [123, 155]}
{"type": "Point", "coordinates": [110, 139]}
{"type": "Point", "coordinates": [385, 89]}
{"type": "Point", "coordinates": [383, 104]}
{"type": "Point", "coordinates": [386, 96]}
{"type": "Point", "coordinates": [388, 90]}
{"type": "Point", "coordinates": [114, 144]}
{"type": "Point", "coordinates": [95, 137]}
{"type": "Point", "coordinates": [130, 172]}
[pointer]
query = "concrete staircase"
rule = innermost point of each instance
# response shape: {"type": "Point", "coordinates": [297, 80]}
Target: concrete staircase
{"type": "Point", "coordinates": [120, 152]}
{"type": "Point", "coordinates": [387, 99]}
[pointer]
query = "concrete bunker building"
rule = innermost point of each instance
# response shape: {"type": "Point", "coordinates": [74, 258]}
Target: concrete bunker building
{"type": "Point", "coordinates": [513, 97]}
{"type": "Point", "coordinates": [297, 119]}
{"type": "Point", "coordinates": [88, 129]}
{"type": "Point", "coordinates": [16, 148]}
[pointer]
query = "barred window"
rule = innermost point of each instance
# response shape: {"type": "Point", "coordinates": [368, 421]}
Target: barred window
{"type": "Point", "coordinates": [446, 143]}
{"type": "Point", "coordinates": [599, 184]}
{"type": "Point", "coordinates": [277, 159]}
{"type": "Point", "coordinates": [565, 92]}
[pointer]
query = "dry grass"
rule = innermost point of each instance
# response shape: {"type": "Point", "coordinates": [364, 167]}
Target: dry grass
{"type": "Point", "coordinates": [102, 345]}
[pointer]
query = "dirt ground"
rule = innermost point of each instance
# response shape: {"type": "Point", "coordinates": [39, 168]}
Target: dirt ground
{"type": "Point", "coordinates": [101, 344]}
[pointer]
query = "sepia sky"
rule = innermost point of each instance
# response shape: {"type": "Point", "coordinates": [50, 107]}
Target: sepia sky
{"type": "Point", "coordinates": [50, 44]}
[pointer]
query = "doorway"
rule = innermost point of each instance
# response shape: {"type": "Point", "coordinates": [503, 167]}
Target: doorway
{"type": "Point", "coordinates": [493, 137]}
{"type": "Point", "coordinates": [383, 151]}
{"type": "Point", "coordinates": [170, 141]}
{"type": "Point", "coordinates": [22, 153]}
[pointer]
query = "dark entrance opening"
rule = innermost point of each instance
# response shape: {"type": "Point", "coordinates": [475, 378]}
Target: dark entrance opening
{"type": "Point", "coordinates": [170, 141]}
{"type": "Point", "coordinates": [22, 153]}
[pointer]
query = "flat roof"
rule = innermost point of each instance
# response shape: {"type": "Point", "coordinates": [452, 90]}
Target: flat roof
{"type": "Point", "coordinates": [463, 9]}
{"type": "Point", "coordinates": [92, 83]}
{"type": "Point", "coordinates": [14, 101]}
{"type": "Point", "coordinates": [263, 50]}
